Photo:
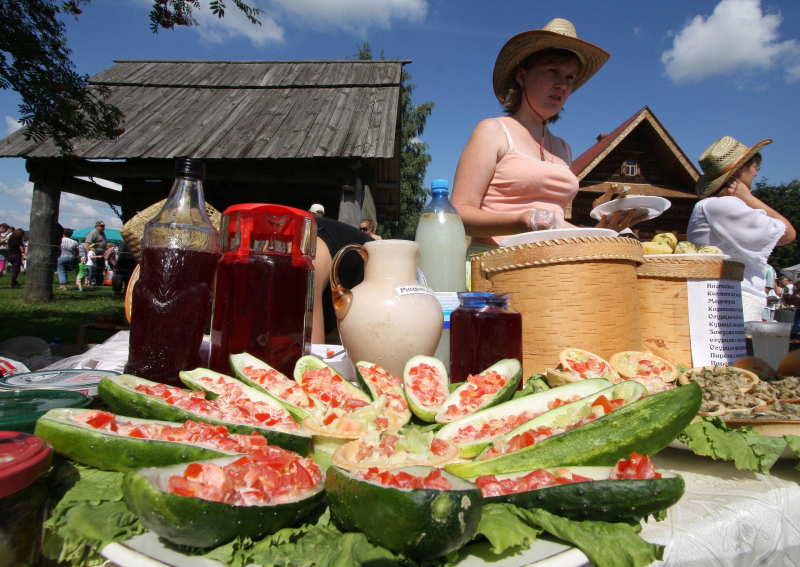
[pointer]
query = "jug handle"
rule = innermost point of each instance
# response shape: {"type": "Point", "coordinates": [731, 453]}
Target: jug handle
{"type": "Point", "coordinates": [343, 297]}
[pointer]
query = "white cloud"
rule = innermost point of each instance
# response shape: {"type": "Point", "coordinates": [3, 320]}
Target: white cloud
{"type": "Point", "coordinates": [235, 24]}
{"type": "Point", "coordinates": [737, 38]}
{"type": "Point", "coordinates": [357, 16]}
{"type": "Point", "coordinates": [12, 125]}
{"type": "Point", "coordinates": [73, 212]}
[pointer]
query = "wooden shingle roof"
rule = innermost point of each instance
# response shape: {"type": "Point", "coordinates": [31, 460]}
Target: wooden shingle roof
{"type": "Point", "coordinates": [243, 110]}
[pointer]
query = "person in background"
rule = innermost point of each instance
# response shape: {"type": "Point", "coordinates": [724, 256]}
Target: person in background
{"type": "Point", "coordinates": [97, 237]}
{"type": "Point", "coordinates": [68, 258]}
{"type": "Point", "coordinates": [317, 210]}
{"type": "Point", "coordinates": [5, 232]}
{"type": "Point", "coordinates": [25, 239]}
{"type": "Point", "coordinates": [731, 218]}
{"type": "Point", "coordinates": [96, 267]}
{"type": "Point", "coordinates": [123, 269]}
{"type": "Point", "coordinates": [82, 271]}
{"type": "Point", "coordinates": [332, 236]}
{"type": "Point", "coordinates": [368, 227]}
{"type": "Point", "coordinates": [110, 257]}
{"type": "Point", "coordinates": [15, 252]}
{"type": "Point", "coordinates": [514, 175]}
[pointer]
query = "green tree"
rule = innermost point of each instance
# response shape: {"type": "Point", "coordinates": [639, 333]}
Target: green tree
{"type": "Point", "coordinates": [57, 102]}
{"type": "Point", "coordinates": [785, 199]}
{"type": "Point", "coordinates": [414, 157]}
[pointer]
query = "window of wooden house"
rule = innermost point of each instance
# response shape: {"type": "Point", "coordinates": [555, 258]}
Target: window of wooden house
{"type": "Point", "coordinates": [630, 168]}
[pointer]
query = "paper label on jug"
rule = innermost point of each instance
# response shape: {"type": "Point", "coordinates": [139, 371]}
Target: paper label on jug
{"type": "Point", "coordinates": [409, 289]}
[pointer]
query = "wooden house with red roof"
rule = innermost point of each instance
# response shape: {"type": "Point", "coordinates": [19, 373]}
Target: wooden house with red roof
{"type": "Point", "coordinates": [641, 155]}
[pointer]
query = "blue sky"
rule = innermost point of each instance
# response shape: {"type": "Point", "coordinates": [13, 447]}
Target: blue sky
{"type": "Point", "coordinates": [706, 68]}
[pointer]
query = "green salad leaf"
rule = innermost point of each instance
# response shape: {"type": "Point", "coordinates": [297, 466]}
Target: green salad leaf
{"type": "Point", "coordinates": [747, 449]}
{"type": "Point", "coordinates": [533, 385]}
{"type": "Point", "coordinates": [794, 444]}
{"type": "Point", "coordinates": [505, 529]}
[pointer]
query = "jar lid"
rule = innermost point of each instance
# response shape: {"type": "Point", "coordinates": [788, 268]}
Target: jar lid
{"type": "Point", "coordinates": [23, 458]}
{"type": "Point", "coordinates": [79, 380]}
{"type": "Point", "coordinates": [19, 409]}
{"type": "Point", "coordinates": [483, 299]}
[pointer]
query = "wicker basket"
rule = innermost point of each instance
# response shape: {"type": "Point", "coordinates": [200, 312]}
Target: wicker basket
{"type": "Point", "coordinates": [572, 292]}
{"type": "Point", "coordinates": [664, 303]}
{"type": "Point", "coordinates": [133, 230]}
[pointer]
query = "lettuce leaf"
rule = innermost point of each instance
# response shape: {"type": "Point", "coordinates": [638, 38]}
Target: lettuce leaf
{"type": "Point", "coordinates": [504, 529]}
{"type": "Point", "coordinates": [794, 444]}
{"type": "Point", "coordinates": [604, 543]}
{"type": "Point", "coordinates": [533, 385]}
{"type": "Point", "coordinates": [747, 449]}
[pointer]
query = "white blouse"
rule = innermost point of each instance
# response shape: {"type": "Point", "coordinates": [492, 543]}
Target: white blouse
{"type": "Point", "coordinates": [748, 235]}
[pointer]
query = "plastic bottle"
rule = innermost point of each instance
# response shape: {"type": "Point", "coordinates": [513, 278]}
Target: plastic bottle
{"type": "Point", "coordinates": [172, 298]}
{"type": "Point", "coordinates": [442, 257]}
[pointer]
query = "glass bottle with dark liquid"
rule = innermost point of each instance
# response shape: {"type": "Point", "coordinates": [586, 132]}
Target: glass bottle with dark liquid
{"type": "Point", "coordinates": [483, 331]}
{"type": "Point", "coordinates": [172, 298]}
{"type": "Point", "coordinates": [265, 286]}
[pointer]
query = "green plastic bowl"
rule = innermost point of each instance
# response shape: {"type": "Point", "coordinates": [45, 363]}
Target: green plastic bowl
{"type": "Point", "coordinates": [19, 409]}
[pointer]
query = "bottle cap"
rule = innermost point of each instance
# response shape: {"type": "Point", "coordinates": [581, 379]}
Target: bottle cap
{"type": "Point", "coordinates": [479, 299]}
{"type": "Point", "coordinates": [191, 168]}
{"type": "Point", "coordinates": [440, 185]}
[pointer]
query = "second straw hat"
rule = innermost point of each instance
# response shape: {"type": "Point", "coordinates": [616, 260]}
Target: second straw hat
{"type": "Point", "coordinates": [721, 160]}
{"type": "Point", "coordinates": [558, 33]}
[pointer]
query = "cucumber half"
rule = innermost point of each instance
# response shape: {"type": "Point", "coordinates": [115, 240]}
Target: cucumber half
{"type": "Point", "coordinates": [602, 499]}
{"type": "Point", "coordinates": [121, 396]}
{"type": "Point", "coordinates": [421, 523]}
{"type": "Point", "coordinates": [112, 452]}
{"type": "Point", "coordinates": [534, 403]}
{"type": "Point", "coordinates": [308, 362]}
{"type": "Point", "coordinates": [509, 367]}
{"type": "Point", "coordinates": [204, 523]}
{"type": "Point", "coordinates": [395, 395]}
{"type": "Point", "coordinates": [644, 426]}
{"type": "Point", "coordinates": [420, 409]}
{"type": "Point", "coordinates": [241, 361]}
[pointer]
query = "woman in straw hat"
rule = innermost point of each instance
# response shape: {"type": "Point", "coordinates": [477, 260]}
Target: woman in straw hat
{"type": "Point", "coordinates": [514, 175]}
{"type": "Point", "coordinates": [729, 217]}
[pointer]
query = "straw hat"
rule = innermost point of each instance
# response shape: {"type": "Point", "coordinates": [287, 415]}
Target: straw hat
{"type": "Point", "coordinates": [560, 34]}
{"type": "Point", "coordinates": [721, 160]}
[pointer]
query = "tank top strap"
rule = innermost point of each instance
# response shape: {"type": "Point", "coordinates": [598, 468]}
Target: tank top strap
{"type": "Point", "coordinates": [508, 135]}
{"type": "Point", "coordinates": [567, 152]}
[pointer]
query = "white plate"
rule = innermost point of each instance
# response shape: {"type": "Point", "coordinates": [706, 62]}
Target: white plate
{"type": "Point", "coordinates": [653, 206]}
{"type": "Point", "coordinates": [700, 256]}
{"type": "Point", "coordinates": [148, 550]}
{"type": "Point", "coordinates": [526, 237]}
{"type": "Point", "coordinates": [341, 363]}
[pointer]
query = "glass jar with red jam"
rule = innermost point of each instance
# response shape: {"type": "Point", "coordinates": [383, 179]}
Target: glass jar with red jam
{"type": "Point", "coordinates": [483, 331]}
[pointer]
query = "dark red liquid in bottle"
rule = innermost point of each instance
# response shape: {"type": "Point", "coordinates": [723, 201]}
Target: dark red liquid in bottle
{"type": "Point", "coordinates": [171, 303]}
{"type": "Point", "coordinates": [262, 307]}
{"type": "Point", "coordinates": [480, 337]}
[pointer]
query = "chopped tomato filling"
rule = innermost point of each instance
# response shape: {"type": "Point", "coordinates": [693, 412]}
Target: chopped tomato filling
{"type": "Point", "coordinates": [279, 385]}
{"type": "Point", "coordinates": [269, 475]}
{"type": "Point", "coordinates": [231, 405]}
{"type": "Point", "coordinates": [428, 385]}
{"type": "Point", "coordinates": [385, 385]}
{"type": "Point", "coordinates": [479, 390]}
{"type": "Point", "coordinates": [214, 436]}
{"type": "Point", "coordinates": [493, 427]}
{"type": "Point", "coordinates": [637, 466]}
{"type": "Point", "coordinates": [589, 368]}
{"type": "Point", "coordinates": [403, 479]}
{"type": "Point", "coordinates": [330, 389]}
{"type": "Point", "coordinates": [558, 402]}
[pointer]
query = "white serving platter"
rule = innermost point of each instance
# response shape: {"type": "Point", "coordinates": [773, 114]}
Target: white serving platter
{"type": "Point", "coordinates": [695, 256]}
{"type": "Point", "coordinates": [643, 204]}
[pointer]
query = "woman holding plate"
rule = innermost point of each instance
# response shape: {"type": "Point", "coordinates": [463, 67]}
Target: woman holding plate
{"type": "Point", "coordinates": [514, 175]}
{"type": "Point", "coordinates": [731, 218]}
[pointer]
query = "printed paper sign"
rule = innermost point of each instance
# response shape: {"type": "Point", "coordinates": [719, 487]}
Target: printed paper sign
{"type": "Point", "coordinates": [409, 289]}
{"type": "Point", "coordinates": [716, 322]}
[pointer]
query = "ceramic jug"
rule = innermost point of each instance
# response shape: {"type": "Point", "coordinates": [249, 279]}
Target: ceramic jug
{"type": "Point", "coordinates": [389, 317]}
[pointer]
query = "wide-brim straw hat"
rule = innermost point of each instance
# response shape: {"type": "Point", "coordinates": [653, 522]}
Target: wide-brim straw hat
{"type": "Point", "coordinates": [722, 159]}
{"type": "Point", "coordinates": [558, 34]}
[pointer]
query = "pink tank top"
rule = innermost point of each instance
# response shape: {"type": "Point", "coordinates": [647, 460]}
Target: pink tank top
{"type": "Point", "coordinates": [522, 182]}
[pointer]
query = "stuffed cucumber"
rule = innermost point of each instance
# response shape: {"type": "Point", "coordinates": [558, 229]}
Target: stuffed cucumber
{"type": "Point", "coordinates": [321, 380]}
{"type": "Point", "coordinates": [474, 432]}
{"type": "Point", "coordinates": [209, 503]}
{"type": "Point", "coordinates": [426, 386]}
{"type": "Point", "coordinates": [378, 382]}
{"type": "Point", "coordinates": [631, 489]}
{"type": "Point", "coordinates": [493, 386]}
{"type": "Point", "coordinates": [261, 376]}
{"type": "Point", "coordinates": [116, 443]}
{"type": "Point", "coordinates": [421, 512]}
{"type": "Point", "coordinates": [133, 396]}
{"type": "Point", "coordinates": [644, 426]}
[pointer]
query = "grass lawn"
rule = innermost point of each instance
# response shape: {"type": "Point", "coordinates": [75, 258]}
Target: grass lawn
{"type": "Point", "coordinates": [61, 317]}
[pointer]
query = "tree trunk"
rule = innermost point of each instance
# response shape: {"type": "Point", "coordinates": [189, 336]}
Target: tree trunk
{"type": "Point", "coordinates": [42, 238]}
{"type": "Point", "coordinates": [350, 203]}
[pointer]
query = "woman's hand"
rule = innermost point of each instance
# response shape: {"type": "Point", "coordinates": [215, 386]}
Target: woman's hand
{"type": "Point", "coordinates": [736, 189]}
{"type": "Point", "coordinates": [620, 220]}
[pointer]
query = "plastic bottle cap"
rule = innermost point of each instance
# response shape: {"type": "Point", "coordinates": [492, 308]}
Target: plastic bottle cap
{"type": "Point", "coordinates": [189, 167]}
{"type": "Point", "coordinates": [23, 458]}
{"type": "Point", "coordinates": [440, 184]}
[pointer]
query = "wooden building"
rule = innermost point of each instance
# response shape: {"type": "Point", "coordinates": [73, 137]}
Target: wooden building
{"type": "Point", "coordinates": [642, 155]}
{"type": "Point", "coordinates": [288, 132]}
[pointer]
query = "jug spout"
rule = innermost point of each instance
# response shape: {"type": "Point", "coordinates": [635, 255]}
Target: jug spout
{"type": "Point", "coordinates": [343, 297]}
